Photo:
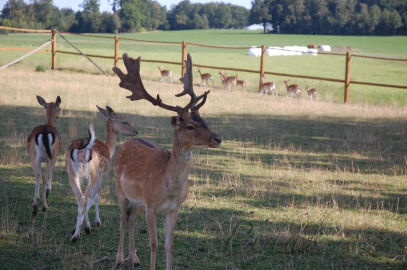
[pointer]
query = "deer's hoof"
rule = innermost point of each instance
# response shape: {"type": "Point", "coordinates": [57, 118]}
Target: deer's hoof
{"type": "Point", "coordinates": [74, 238]}
{"type": "Point", "coordinates": [35, 210]}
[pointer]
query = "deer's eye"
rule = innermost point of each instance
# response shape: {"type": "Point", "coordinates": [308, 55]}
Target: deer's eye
{"type": "Point", "coordinates": [189, 127]}
{"type": "Point", "coordinates": [124, 122]}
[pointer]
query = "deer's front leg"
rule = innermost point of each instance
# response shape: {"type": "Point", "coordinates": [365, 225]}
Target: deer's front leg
{"type": "Point", "coordinates": [170, 221]}
{"type": "Point", "coordinates": [124, 204]}
{"type": "Point", "coordinates": [132, 246]}
{"type": "Point", "coordinates": [152, 230]}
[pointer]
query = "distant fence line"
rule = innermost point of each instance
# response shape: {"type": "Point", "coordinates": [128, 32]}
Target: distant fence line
{"type": "Point", "coordinates": [261, 71]}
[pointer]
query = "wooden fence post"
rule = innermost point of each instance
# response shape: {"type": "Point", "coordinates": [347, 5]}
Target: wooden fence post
{"type": "Point", "coordinates": [262, 63]}
{"type": "Point", "coordinates": [116, 50]}
{"type": "Point", "coordinates": [347, 77]}
{"type": "Point", "coordinates": [184, 57]}
{"type": "Point", "coordinates": [54, 49]}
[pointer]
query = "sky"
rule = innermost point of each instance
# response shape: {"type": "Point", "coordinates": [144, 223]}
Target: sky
{"type": "Point", "coordinates": [105, 5]}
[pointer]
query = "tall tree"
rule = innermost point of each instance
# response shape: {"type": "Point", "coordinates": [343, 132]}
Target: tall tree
{"type": "Point", "coordinates": [260, 13]}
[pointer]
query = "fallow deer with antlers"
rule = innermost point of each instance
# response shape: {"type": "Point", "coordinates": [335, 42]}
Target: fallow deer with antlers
{"type": "Point", "coordinates": [90, 158]}
{"type": "Point", "coordinates": [44, 144]}
{"type": "Point", "coordinates": [165, 73]}
{"type": "Point", "coordinates": [205, 77]}
{"type": "Point", "coordinates": [155, 178]}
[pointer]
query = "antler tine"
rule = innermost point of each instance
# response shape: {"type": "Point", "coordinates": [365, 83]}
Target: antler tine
{"type": "Point", "coordinates": [132, 81]}
{"type": "Point", "coordinates": [195, 108]}
{"type": "Point", "coordinates": [187, 79]}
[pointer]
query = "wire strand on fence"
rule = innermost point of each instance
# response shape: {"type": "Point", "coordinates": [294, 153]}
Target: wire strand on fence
{"type": "Point", "coordinates": [26, 55]}
{"type": "Point", "coordinates": [81, 53]}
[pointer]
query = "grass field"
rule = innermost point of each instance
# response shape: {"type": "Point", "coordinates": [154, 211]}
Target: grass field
{"type": "Point", "coordinates": [295, 185]}
{"type": "Point", "coordinates": [369, 70]}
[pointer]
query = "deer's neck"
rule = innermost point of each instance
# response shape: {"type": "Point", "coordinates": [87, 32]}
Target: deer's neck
{"type": "Point", "coordinates": [179, 164]}
{"type": "Point", "coordinates": [111, 136]}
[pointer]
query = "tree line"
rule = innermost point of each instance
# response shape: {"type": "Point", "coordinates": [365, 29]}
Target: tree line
{"type": "Point", "coordinates": [335, 17]}
{"type": "Point", "coordinates": [126, 16]}
{"type": "Point", "coordinates": [332, 17]}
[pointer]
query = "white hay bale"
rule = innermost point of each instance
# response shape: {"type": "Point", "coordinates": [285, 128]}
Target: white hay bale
{"type": "Point", "coordinates": [254, 51]}
{"type": "Point", "coordinates": [325, 48]}
{"type": "Point", "coordinates": [312, 52]}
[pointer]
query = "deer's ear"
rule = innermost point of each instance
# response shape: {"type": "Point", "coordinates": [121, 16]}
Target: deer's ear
{"type": "Point", "coordinates": [103, 112]}
{"type": "Point", "coordinates": [58, 101]}
{"type": "Point", "coordinates": [175, 121]}
{"type": "Point", "coordinates": [111, 112]}
{"type": "Point", "coordinates": [41, 101]}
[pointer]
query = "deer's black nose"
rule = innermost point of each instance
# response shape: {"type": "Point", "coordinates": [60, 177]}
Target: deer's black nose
{"type": "Point", "coordinates": [216, 139]}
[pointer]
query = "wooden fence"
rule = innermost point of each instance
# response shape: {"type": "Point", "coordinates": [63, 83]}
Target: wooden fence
{"type": "Point", "coordinates": [261, 71]}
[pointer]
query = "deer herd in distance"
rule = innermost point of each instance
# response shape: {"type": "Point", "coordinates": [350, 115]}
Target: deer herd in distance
{"type": "Point", "coordinates": [231, 82]}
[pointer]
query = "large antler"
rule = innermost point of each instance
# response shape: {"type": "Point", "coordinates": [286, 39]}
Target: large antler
{"type": "Point", "coordinates": [189, 88]}
{"type": "Point", "coordinates": [132, 81]}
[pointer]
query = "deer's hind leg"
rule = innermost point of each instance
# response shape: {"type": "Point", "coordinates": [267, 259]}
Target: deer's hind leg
{"type": "Point", "coordinates": [36, 165]}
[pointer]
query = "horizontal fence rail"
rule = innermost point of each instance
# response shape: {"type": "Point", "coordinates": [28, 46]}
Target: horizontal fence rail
{"type": "Point", "coordinates": [261, 71]}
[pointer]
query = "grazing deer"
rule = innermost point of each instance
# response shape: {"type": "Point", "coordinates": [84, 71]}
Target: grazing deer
{"type": "Point", "coordinates": [205, 77]}
{"type": "Point", "coordinates": [228, 82]}
{"type": "Point", "coordinates": [165, 73]}
{"type": "Point", "coordinates": [292, 89]}
{"type": "Point", "coordinates": [311, 92]}
{"type": "Point", "coordinates": [44, 144]}
{"type": "Point", "coordinates": [266, 87]}
{"type": "Point", "coordinates": [241, 83]}
{"type": "Point", "coordinates": [155, 178]}
{"type": "Point", "coordinates": [91, 158]}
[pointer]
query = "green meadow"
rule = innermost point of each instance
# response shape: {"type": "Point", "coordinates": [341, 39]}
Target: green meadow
{"type": "Point", "coordinates": [362, 69]}
{"type": "Point", "coordinates": [295, 185]}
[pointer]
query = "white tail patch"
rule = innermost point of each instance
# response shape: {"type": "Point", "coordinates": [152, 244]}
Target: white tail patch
{"type": "Point", "coordinates": [84, 155]}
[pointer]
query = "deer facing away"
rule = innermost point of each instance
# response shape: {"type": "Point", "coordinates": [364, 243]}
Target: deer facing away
{"type": "Point", "coordinates": [91, 158]}
{"type": "Point", "coordinates": [155, 178]}
{"type": "Point", "coordinates": [165, 73]}
{"type": "Point", "coordinates": [44, 144]}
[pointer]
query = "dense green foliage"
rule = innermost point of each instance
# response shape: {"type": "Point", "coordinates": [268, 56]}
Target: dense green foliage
{"type": "Point", "coordinates": [338, 17]}
{"type": "Point", "coordinates": [333, 17]}
{"type": "Point", "coordinates": [127, 16]}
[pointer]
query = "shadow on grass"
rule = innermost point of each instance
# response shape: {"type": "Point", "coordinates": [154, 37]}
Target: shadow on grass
{"type": "Point", "coordinates": [219, 237]}
{"type": "Point", "coordinates": [206, 238]}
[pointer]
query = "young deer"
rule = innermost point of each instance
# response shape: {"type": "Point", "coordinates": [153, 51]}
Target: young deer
{"type": "Point", "coordinates": [91, 158]}
{"type": "Point", "coordinates": [165, 73]}
{"type": "Point", "coordinates": [205, 77]}
{"type": "Point", "coordinates": [266, 87]}
{"type": "Point", "coordinates": [292, 89]}
{"type": "Point", "coordinates": [155, 178]}
{"type": "Point", "coordinates": [44, 143]}
{"type": "Point", "coordinates": [312, 92]}
{"type": "Point", "coordinates": [241, 83]}
{"type": "Point", "coordinates": [228, 82]}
